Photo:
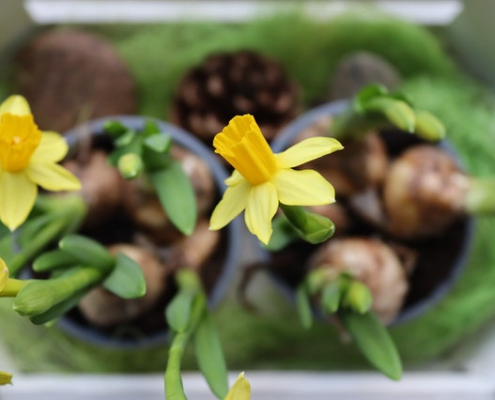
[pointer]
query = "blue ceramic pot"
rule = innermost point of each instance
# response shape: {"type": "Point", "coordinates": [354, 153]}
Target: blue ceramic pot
{"type": "Point", "coordinates": [440, 260]}
{"type": "Point", "coordinates": [231, 237]}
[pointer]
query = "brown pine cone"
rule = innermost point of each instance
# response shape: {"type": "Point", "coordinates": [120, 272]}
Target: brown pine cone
{"type": "Point", "coordinates": [70, 76]}
{"type": "Point", "coordinates": [230, 84]}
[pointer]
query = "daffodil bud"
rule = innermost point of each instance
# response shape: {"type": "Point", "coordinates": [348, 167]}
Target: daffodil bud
{"type": "Point", "coordinates": [130, 165]}
{"type": "Point", "coordinates": [312, 227]}
{"type": "Point", "coordinates": [429, 127]}
{"type": "Point", "coordinates": [38, 296]}
{"type": "Point", "coordinates": [358, 297]}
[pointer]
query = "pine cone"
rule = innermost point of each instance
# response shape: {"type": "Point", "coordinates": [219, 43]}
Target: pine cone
{"type": "Point", "coordinates": [230, 84]}
{"type": "Point", "coordinates": [70, 76]}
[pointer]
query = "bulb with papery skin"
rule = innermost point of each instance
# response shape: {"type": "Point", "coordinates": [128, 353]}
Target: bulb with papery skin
{"type": "Point", "coordinates": [423, 193]}
{"type": "Point", "coordinates": [361, 164]}
{"type": "Point", "coordinates": [372, 262]}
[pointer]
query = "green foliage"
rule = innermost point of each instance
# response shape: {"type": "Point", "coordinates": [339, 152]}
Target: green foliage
{"type": "Point", "coordinates": [126, 279]}
{"type": "Point", "coordinates": [303, 303]}
{"type": "Point", "coordinates": [87, 251]}
{"type": "Point", "coordinates": [374, 341]}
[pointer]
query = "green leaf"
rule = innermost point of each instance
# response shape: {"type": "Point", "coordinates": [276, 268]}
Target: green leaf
{"type": "Point", "coordinates": [374, 342]}
{"type": "Point", "coordinates": [87, 251]}
{"type": "Point", "coordinates": [429, 127]}
{"type": "Point", "coordinates": [150, 127]}
{"type": "Point", "coordinates": [126, 139]}
{"type": "Point", "coordinates": [330, 297]}
{"type": "Point", "coordinates": [126, 279]}
{"type": "Point", "coordinates": [304, 306]}
{"type": "Point", "coordinates": [32, 228]}
{"type": "Point", "coordinates": [54, 259]}
{"type": "Point", "coordinates": [178, 312]}
{"type": "Point", "coordinates": [397, 112]}
{"type": "Point", "coordinates": [159, 142]}
{"type": "Point", "coordinates": [177, 196]}
{"type": "Point", "coordinates": [114, 128]}
{"type": "Point", "coordinates": [283, 234]}
{"type": "Point", "coordinates": [210, 356]}
{"type": "Point", "coordinates": [371, 91]}
{"type": "Point", "coordinates": [58, 309]}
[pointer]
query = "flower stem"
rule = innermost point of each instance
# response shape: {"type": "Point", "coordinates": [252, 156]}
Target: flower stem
{"type": "Point", "coordinates": [12, 288]}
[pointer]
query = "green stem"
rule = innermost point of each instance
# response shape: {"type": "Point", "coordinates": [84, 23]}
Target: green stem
{"type": "Point", "coordinates": [12, 288]}
{"type": "Point", "coordinates": [174, 389]}
{"type": "Point", "coordinates": [65, 219]}
{"type": "Point", "coordinates": [480, 198]}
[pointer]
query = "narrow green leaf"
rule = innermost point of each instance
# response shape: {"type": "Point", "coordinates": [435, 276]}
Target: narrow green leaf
{"type": "Point", "coordinates": [126, 279]}
{"type": "Point", "coordinates": [178, 311]}
{"type": "Point", "coordinates": [304, 306]}
{"type": "Point", "coordinates": [330, 297]}
{"type": "Point", "coordinates": [371, 91]}
{"type": "Point", "coordinates": [150, 127]}
{"type": "Point", "coordinates": [210, 356]}
{"type": "Point", "coordinates": [159, 142]}
{"type": "Point", "coordinates": [374, 341]}
{"type": "Point", "coordinates": [174, 389]}
{"type": "Point", "coordinates": [283, 234]}
{"type": "Point", "coordinates": [397, 112]}
{"type": "Point", "coordinates": [87, 251]}
{"type": "Point", "coordinates": [177, 196]}
{"type": "Point", "coordinates": [54, 259]}
{"type": "Point", "coordinates": [58, 309]}
{"type": "Point", "coordinates": [126, 139]}
{"type": "Point", "coordinates": [429, 127]}
{"type": "Point", "coordinates": [114, 128]}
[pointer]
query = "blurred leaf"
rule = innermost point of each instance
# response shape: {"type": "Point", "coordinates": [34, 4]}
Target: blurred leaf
{"type": "Point", "coordinates": [126, 139]}
{"type": "Point", "coordinates": [330, 297]}
{"type": "Point", "coordinates": [87, 251]}
{"type": "Point", "coordinates": [283, 234]}
{"type": "Point", "coordinates": [126, 279]}
{"type": "Point", "coordinates": [210, 356]}
{"type": "Point", "coordinates": [397, 112]}
{"type": "Point", "coordinates": [367, 93]}
{"type": "Point", "coordinates": [177, 196]}
{"type": "Point", "coordinates": [54, 259]}
{"type": "Point", "coordinates": [114, 128]}
{"type": "Point", "coordinates": [429, 127]}
{"type": "Point", "coordinates": [150, 127]}
{"type": "Point", "coordinates": [374, 342]}
{"type": "Point", "coordinates": [358, 297]}
{"type": "Point", "coordinates": [304, 306]}
{"type": "Point", "coordinates": [178, 312]}
{"type": "Point", "coordinates": [159, 142]}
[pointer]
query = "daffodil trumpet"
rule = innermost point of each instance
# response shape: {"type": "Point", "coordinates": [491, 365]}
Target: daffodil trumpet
{"type": "Point", "coordinates": [262, 180]}
{"type": "Point", "coordinates": [28, 159]}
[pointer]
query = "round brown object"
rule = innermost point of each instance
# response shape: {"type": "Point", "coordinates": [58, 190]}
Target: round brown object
{"type": "Point", "coordinates": [70, 76]}
{"type": "Point", "coordinates": [371, 262]}
{"type": "Point", "coordinates": [359, 70]}
{"type": "Point", "coordinates": [101, 186]}
{"type": "Point", "coordinates": [102, 308]}
{"type": "Point", "coordinates": [423, 193]}
{"type": "Point", "coordinates": [229, 84]}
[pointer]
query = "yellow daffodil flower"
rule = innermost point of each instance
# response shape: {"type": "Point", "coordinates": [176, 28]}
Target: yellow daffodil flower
{"type": "Point", "coordinates": [262, 179]}
{"type": "Point", "coordinates": [28, 158]}
{"type": "Point", "coordinates": [4, 274]}
{"type": "Point", "coordinates": [5, 378]}
{"type": "Point", "coordinates": [241, 390]}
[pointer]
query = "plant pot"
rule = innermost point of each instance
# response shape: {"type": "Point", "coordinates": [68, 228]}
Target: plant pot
{"type": "Point", "coordinates": [216, 273]}
{"type": "Point", "coordinates": [440, 260]}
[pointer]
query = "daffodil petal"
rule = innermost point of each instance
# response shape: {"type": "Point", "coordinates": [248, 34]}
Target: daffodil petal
{"type": "Point", "coordinates": [52, 177]}
{"type": "Point", "coordinates": [16, 105]}
{"type": "Point", "coordinates": [240, 390]}
{"type": "Point", "coordinates": [4, 274]}
{"type": "Point", "coordinates": [6, 378]}
{"type": "Point", "coordinates": [307, 150]}
{"type": "Point", "coordinates": [234, 179]}
{"type": "Point", "coordinates": [233, 202]}
{"type": "Point", "coordinates": [17, 196]}
{"type": "Point", "coordinates": [261, 206]}
{"type": "Point", "coordinates": [52, 148]}
{"type": "Point", "coordinates": [303, 188]}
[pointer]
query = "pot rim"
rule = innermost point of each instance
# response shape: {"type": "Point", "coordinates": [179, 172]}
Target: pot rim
{"type": "Point", "coordinates": [234, 230]}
